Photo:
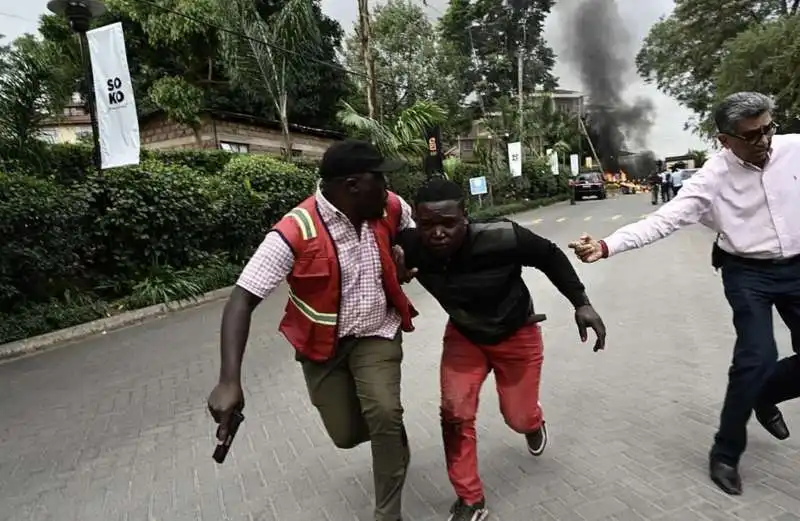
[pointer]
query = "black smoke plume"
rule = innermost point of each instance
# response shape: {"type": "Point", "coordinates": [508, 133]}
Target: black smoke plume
{"type": "Point", "coordinates": [599, 45]}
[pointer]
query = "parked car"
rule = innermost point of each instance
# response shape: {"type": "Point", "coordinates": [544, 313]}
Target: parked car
{"type": "Point", "coordinates": [590, 184]}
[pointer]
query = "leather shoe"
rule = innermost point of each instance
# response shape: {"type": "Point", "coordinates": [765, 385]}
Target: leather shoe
{"type": "Point", "coordinates": [726, 477]}
{"type": "Point", "coordinates": [772, 420]}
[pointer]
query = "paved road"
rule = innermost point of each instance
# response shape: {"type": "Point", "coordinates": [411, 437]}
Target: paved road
{"type": "Point", "coordinates": [114, 428]}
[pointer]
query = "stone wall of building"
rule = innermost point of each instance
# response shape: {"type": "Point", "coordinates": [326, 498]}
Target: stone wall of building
{"type": "Point", "coordinates": [162, 134]}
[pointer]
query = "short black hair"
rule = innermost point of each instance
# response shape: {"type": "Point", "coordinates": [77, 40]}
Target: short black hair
{"type": "Point", "coordinates": [439, 189]}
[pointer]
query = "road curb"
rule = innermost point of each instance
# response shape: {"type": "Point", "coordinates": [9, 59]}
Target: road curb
{"type": "Point", "coordinates": [104, 325]}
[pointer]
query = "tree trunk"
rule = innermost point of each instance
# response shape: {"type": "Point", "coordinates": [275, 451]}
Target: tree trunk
{"type": "Point", "coordinates": [287, 135]}
{"type": "Point", "coordinates": [366, 55]}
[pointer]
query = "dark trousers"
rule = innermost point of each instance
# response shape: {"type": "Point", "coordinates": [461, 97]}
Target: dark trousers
{"type": "Point", "coordinates": [666, 192]}
{"type": "Point", "coordinates": [675, 190]}
{"type": "Point", "coordinates": [357, 394]}
{"type": "Point", "coordinates": [756, 379]}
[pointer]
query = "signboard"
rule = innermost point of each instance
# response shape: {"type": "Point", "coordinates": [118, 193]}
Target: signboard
{"type": "Point", "coordinates": [117, 121]}
{"type": "Point", "coordinates": [515, 159]}
{"type": "Point", "coordinates": [553, 157]}
{"type": "Point", "coordinates": [434, 158]}
{"type": "Point", "coordinates": [478, 186]}
{"type": "Point", "coordinates": [575, 164]}
{"type": "Point", "coordinates": [588, 162]}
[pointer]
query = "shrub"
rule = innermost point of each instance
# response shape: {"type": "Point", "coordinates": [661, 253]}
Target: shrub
{"type": "Point", "coordinates": [79, 244]}
{"type": "Point", "coordinates": [40, 226]}
{"type": "Point", "coordinates": [144, 216]}
{"type": "Point", "coordinates": [207, 162]}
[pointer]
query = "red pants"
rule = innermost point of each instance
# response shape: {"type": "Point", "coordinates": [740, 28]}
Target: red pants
{"type": "Point", "coordinates": [517, 365]}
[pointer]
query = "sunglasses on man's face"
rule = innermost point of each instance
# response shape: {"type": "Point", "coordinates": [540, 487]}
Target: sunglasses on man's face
{"type": "Point", "coordinates": [752, 137]}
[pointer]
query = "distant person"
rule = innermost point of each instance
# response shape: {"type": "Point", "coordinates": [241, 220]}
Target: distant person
{"type": "Point", "coordinates": [654, 182]}
{"type": "Point", "coordinates": [666, 186]}
{"type": "Point", "coordinates": [677, 179]}
{"type": "Point", "coordinates": [748, 193]}
{"type": "Point", "coordinates": [345, 314]}
{"type": "Point", "coordinates": [474, 270]}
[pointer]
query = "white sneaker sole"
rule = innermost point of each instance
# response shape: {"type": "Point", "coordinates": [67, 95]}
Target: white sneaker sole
{"type": "Point", "coordinates": [538, 452]}
{"type": "Point", "coordinates": [478, 516]}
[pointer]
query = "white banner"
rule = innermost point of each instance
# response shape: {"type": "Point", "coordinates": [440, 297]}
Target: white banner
{"type": "Point", "coordinates": [575, 164]}
{"type": "Point", "coordinates": [515, 159]}
{"type": "Point", "coordinates": [553, 156]}
{"type": "Point", "coordinates": [116, 106]}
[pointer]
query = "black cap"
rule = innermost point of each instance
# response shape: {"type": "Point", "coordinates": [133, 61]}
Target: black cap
{"type": "Point", "coordinates": [353, 156]}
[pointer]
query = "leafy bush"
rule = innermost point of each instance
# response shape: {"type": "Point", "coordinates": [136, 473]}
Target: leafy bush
{"type": "Point", "coordinates": [117, 233]}
{"type": "Point", "coordinates": [80, 244]}
{"type": "Point", "coordinates": [207, 162]}
{"type": "Point", "coordinates": [40, 223]}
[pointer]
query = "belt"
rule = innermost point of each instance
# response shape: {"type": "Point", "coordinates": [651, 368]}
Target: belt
{"type": "Point", "coordinates": [760, 262]}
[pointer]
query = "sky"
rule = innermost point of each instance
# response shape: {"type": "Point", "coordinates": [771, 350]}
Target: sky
{"type": "Point", "coordinates": [666, 138]}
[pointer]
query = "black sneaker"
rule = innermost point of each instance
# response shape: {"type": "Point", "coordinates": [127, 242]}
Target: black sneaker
{"type": "Point", "coordinates": [537, 440]}
{"type": "Point", "coordinates": [461, 511]}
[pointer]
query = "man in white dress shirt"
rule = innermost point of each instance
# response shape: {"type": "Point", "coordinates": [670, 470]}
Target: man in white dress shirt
{"type": "Point", "coordinates": [749, 193]}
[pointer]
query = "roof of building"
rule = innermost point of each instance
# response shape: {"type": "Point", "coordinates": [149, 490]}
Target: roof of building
{"type": "Point", "coordinates": [683, 157]}
{"type": "Point", "coordinates": [221, 115]}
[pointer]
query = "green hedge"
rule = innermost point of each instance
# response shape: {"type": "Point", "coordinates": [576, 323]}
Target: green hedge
{"type": "Point", "coordinates": [109, 231]}
{"type": "Point", "coordinates": [80, 245]}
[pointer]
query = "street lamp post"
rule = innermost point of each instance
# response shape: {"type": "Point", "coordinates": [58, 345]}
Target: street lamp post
{"type": "Point", "coordinates": [79, 14]}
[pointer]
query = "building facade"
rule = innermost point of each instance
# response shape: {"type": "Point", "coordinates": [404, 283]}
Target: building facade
{"type": "Point", "coordinates": [236, 133]}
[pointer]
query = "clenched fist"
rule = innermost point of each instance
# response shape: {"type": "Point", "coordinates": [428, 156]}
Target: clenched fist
{"type": "Point", "coordinates": [587, 249]}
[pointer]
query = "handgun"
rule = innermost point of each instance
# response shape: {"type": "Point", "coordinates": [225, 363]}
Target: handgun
{"type": "Point", "coordinates": [224, 446]}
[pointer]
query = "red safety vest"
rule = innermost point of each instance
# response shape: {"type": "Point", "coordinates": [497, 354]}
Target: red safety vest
{"type": "Point", "coordinates": [312, 311]}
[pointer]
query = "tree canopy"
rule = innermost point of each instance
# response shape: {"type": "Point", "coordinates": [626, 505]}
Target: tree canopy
{"type": "Point", "coordinates": [411, 61]}
{"type": "Point", "coordinates": [683, 52]}
{"type": "Point", "coordinates": [497, 31]}
{"type": "Point", "coordinates": [175, 47]}
{"type": "Point", "coordinates": [765, 59]}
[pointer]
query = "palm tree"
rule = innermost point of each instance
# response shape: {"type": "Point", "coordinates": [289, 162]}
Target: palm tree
{"type": "Point", "coordinates": [698, 156]}
{"type": "Point", "coordinates": [403, 137]}
{"type": "Point", "coordinates": [257, 59]}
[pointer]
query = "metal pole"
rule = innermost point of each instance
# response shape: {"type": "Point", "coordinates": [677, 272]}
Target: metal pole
{"type": "Point", "coordinates": [91, 101]}
{"type": "Point", "coordinates": [520, 82]}
{"type": "Point", "coordinates": [591, 145]}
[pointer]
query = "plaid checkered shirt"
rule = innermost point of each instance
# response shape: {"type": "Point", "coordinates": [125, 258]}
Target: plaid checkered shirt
{"type": "Point", "coordinates": [363, 311]}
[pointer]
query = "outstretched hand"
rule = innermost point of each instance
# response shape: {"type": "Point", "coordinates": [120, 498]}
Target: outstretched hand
{"type": "Point", "coordinates": [587, 318]}
{"type": "Point", "coordinates": [587, 249]}
{"type": "Point", "coordinates": [404, 274]}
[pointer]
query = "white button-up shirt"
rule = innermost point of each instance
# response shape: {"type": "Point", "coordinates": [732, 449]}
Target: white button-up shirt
{"type": "Point", "coordinates": [756, 211]}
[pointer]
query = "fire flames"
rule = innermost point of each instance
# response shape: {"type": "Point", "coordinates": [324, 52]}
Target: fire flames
{"type": "Point", "coordinates": [619, 177]}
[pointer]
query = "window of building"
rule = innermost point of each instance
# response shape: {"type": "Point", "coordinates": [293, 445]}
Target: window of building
{"type": "Point", "coordinates": [236, 148]}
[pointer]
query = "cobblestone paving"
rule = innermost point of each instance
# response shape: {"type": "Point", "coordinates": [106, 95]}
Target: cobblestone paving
{"type": "Point", "coordinates": [115, 428]}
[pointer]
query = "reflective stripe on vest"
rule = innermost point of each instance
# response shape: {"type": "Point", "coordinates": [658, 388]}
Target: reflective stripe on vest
{"type": "Point", "coordinates": [324, 319]}
{"type": "Point", "coordinates": [304, 222]}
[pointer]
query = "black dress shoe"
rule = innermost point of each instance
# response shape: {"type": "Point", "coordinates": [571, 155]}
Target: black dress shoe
{"type": "Point", "coordinates": [772, 420]}
{"type": "Point", "coordinates": [726, 477]}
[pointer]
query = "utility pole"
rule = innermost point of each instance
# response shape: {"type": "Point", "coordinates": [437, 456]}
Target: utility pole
{"type": "Point", "coordinates": [520, 70]}
{"type": "Point", "coordinates": [591, 145]}
{"type": "Point", "coordinates": [366, 55]}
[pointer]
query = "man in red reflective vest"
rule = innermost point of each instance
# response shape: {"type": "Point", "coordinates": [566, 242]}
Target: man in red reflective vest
{"type": "Point", "coordinates": [344, 314]}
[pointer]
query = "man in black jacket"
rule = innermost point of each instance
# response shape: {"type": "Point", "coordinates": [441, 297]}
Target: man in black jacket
{"type": "Point", "coordinates": [474, 270]}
